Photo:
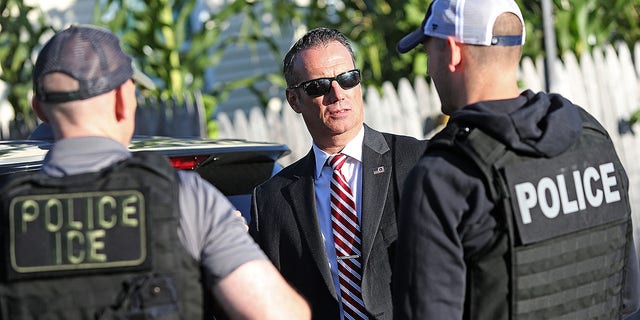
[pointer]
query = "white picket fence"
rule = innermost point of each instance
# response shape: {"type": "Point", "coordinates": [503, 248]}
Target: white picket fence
{"type": "Point", "coordinates": [606, 83]}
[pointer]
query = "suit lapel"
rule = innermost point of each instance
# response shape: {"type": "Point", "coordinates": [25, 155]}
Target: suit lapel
{"type": "Point", "coordinates": [302, 194]}
{"type": "Point", "coordinates": [376, 172]}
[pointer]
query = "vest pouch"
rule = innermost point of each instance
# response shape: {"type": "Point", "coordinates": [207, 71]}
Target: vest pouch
{"type": "Point", "coordinates": [58, 299]}
{"type": "Point", "coordinates": [145, 297]}
{"type": "Point", "coordinates": [576, 276]}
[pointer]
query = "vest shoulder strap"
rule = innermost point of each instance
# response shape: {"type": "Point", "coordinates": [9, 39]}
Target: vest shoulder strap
{"type": "Point", "coordinates": [152, 163]}
{"type": "Point", "coordinates": [481, 149]}
{"type": "Point", "coordinates": [488, 153]}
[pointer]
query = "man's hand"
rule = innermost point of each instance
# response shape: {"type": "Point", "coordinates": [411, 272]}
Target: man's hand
{"type": "Point", "coordinates": [244, 221]}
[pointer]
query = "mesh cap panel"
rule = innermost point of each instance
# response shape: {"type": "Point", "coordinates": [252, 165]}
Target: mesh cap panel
{"type": "Point", "coordinates": [91, 56]}
{"type": "Point", "coordinates": [467, 21]}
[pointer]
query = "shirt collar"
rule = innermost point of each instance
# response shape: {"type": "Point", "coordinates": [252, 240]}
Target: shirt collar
{"type": "Point", "coordinates": [83, 154]}
{"type": "Point", "coordinates": [353, 149]}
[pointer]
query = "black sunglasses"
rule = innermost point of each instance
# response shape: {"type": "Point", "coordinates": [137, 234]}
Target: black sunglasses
{"type": "Point", "coordinates": [321, 86]}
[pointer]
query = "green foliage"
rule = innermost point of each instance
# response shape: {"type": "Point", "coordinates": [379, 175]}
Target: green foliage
{"type": "Point", "coordinates": [169, 47]}
{"type": "Point", "coordinates": [18, 38]}
{"type": "Point", "coordinates": [635, 118]}
{"type": "Point", "coordinates": [376, 26]}
{"type": "Point", "coordinates": [583, 24]}
{"type": "Point", "coordinates": [175, 52]}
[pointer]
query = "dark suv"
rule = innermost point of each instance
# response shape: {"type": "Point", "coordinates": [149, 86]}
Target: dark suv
{"type": "Point", "coordinates": [233, 166]}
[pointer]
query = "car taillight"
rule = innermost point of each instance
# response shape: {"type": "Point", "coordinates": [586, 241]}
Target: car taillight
{"type": "Point", "coordinates": [187, 162]}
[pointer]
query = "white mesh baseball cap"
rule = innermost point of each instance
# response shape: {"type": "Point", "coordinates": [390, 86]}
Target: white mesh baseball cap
{"type": "Point", "coordinates": [467, 21]}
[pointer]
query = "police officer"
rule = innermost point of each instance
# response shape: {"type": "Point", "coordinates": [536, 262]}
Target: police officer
{"type": "Point", "coordinates": [101, 233]}
{"type": "Point", "coordinates": [519, 207]}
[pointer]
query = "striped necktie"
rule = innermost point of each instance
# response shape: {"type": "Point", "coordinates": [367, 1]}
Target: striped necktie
{"type": "Point", "coordinates": [346, 236]}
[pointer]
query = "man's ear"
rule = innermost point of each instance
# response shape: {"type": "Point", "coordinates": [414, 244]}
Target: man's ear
{"type": "Point", "coordinates": [35, 105]}
{"type": "Point", "coordinates": [455, 55]}
{"type": "Point", "coordinates": [292, 99]}
{"type": "Point", "coordinates": [125, 100]}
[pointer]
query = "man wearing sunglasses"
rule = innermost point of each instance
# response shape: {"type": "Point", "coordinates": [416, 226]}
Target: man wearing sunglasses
{"type": "Point", "coordinates": [331, 233]}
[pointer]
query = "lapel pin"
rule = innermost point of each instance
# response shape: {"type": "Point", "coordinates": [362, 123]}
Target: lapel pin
{"type": "Point", "coordinates": [378, 170]}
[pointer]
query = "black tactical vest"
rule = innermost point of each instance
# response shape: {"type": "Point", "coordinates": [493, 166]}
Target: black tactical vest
{"type": "Point", "coordinates": [97, 246]}
{"type": "Point", "coordinates": [564, 228]}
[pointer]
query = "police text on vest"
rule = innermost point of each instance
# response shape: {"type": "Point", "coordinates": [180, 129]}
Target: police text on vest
{"type": "Point", "coordinates": [592, 186]}
{"type": "Point", "coordinates": [78, 230]}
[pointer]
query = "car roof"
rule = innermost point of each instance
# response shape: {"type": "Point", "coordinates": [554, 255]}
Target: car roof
{"type": "Point", "coordinates": [29, 154]}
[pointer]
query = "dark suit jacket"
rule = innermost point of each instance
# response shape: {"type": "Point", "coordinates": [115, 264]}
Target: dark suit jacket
{"type": "Point", "coordinates": [284, 222]}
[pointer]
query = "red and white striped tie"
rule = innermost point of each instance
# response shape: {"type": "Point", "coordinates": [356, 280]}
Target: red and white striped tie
{"type": "Point", "coordinates": [346, 236]}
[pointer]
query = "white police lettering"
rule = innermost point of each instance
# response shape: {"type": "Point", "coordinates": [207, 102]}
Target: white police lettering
{"type": "Point", "coordinates": [552, 196]}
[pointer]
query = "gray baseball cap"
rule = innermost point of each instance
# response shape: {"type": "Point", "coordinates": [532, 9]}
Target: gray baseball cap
{"type": "Point", "coordinates": [90, 55]}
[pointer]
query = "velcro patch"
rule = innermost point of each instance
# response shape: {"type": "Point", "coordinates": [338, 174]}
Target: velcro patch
{"type": "Point", "coordinates": [573, 192]}
{"type": "Point", "coordinates": [76, 233]}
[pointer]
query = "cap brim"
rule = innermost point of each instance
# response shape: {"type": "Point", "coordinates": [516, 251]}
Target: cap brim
{"type": "Point", "coordinates": [410, 41]}
{"type": "Point", "coordinates": [142, 79]}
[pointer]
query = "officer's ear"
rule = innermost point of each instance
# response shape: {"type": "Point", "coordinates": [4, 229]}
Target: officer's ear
{"type": "Point", "coordinates": [125, 101]}
{"type": "Point", "coordinates": [455, 55]}
{"type": "Point", "coordinates": [37, 108]}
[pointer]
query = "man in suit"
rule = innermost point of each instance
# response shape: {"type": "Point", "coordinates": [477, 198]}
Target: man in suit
{"type": "Point", "coordinates": [337, 253]}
